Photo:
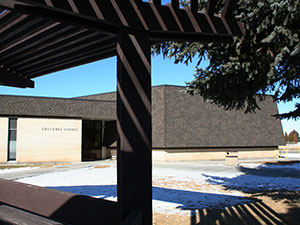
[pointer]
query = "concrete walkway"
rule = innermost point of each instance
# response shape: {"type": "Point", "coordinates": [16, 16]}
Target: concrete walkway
{"type": "Point", "coordinates": [208, 167]}
{"type": "Point", "coordinates": [38, 169]}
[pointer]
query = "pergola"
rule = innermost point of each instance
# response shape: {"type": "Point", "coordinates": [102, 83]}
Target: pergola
{"type": "Point", "coordinates": [38, 37]}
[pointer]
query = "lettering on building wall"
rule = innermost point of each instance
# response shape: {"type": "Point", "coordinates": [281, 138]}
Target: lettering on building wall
{"type": "Point", "coordinates": [58, 129]}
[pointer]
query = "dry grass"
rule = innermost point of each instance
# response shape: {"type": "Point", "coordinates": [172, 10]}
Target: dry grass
{"type": "Point", "coordinates": [286, 162]}
{"type": "Point", "coordinates": [3, 167]}
{"type": "Point", "coordinates": [265, 210]}
{"type": "Point", "coordinates": [101, 167]}
{"type": "Point", "coordinates": [39, 165]}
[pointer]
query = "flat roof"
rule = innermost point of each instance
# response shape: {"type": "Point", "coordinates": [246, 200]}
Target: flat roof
{"type": "Point", "coordinates": [57, 107]}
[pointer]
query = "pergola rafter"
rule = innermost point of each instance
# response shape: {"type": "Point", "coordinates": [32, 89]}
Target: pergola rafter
{"type": "Point", "coordinates": [38, 37]}
{"type": "Point", "coordinates": [28, 26]}
{"type": "Point", "coordinates": [139, 15]}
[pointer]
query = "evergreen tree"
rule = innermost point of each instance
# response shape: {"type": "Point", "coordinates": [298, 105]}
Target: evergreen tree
{"type": "Point", "coordinates": [266, 59]}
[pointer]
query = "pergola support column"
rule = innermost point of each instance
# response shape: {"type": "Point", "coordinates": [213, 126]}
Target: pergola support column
{"type": "Point", "coordinates": [134, 125]}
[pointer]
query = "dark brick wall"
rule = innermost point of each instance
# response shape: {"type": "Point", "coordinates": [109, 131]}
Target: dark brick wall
{"type": "Point", "coordinates": [158, 117]}
{"type": "Point", "coordinates": [179, 120]}
{"type": "Point", "coordinates": [190, 122]}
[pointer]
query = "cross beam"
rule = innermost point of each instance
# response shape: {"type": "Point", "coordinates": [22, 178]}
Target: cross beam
{"type": "Point", "coordinates": [163, 21]}
{"type": "Point", "coordinates": [9, 78]}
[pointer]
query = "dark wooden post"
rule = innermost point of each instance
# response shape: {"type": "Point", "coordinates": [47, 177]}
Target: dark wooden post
{"type": "Point", "coordinates": [134, 125]}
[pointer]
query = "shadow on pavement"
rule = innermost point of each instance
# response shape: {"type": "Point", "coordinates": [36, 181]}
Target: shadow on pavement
{"type": "Point", "coordinates": [271, 171]}
{"type": "Point", "coordinates": [186, 200]}
{"type": "Point", "coordinates": [254, 213]}
{"type": "Point", "coordinates": [223, 210]}
{"type": "Point", "coordinates": [279, 184]}
{"type": "Point", "coordinates": [262, 180]}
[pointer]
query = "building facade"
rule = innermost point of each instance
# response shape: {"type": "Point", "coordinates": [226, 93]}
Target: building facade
{"type": "Point", "coordinates": [36, 129]}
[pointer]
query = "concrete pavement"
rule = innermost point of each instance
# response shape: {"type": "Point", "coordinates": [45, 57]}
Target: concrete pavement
{"type": "Point", "coordinates": [212, 167]}
{"type": "Point", "coordinates": [39, 169]}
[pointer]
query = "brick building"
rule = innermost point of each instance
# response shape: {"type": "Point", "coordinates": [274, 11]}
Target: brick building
{"type": "Point", "coordinates": [40, 129]}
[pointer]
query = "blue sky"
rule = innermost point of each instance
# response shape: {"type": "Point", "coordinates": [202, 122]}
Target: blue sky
{"type": "Point", "coordinates": [100, 77]}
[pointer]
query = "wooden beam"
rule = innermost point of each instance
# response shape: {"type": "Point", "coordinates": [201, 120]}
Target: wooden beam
{"type": "Point", "coordinates": [8, 19]}
{"type": "Point", "coordinates": [34, 44]}
{"type": "Point", "coordinates": [211, 7]}
{"type": "Point", "coordinates": [52, 52]}
{"type": "Point", "coordinates": [58, 205]}
{"type": "Point", "coordinates": [175, 4]}
{"type": "Point", "coordinates": [156, 2]}
{"type": "Point", "coordinates": [69, 18]}
{"type": "Point", "coordinates": [76, 61]}
{"type": "Point", "coordinates": [134, 125]}
{"type": "Point", "coordinates": [10, 3]}
{"type": "Point", "coordinates": [13, 41]}
{"type": "Point", "coordinates": [228, 9]}
{"type": "Point", "coordinates": [8, 78]}
{"type": "Point", "coordinates": [72, 55]}
{"type": "Point", "coordinates": [134, 15]}
{"type": "Point", "coordinates": [194, 6]}
{"type": "Point", "coordinates": [43, 48]}
{"type": "Point", "coordinates": [18, 216]}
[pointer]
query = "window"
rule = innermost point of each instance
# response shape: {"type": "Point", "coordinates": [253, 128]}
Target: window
{"type": "Point", "coordinates": [12, 139]}
{"type": "Point", "coordinates": [92, 134]}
